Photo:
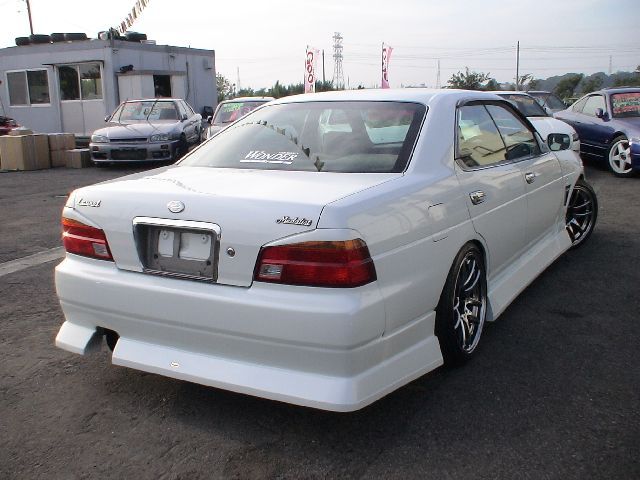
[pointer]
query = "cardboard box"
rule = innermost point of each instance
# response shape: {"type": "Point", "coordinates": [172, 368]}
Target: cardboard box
{"type": "Point", "coordinates": [68, 141]}
{"type": "Point", "coordinates": [20, 131]}
{"type": "Point", "coordinates": [78, 158]}
{"type": "Point", "coordinates": [62, 141]}
{"type": "Point", "coordinates": [58, 158]}
{"type": "Point", "coordinates": [18, 153]}
{"type": "Point", "coordinates": [43, 156]}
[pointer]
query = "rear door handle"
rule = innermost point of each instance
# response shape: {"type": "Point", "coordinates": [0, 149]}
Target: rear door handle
{"type": "Point", "coordinates": [477, 197]}
{"type": "Point", "coordinates": [530, 177]}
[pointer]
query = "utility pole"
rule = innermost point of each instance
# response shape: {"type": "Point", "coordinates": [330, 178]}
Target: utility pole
{"type": "Point", "coordinates": [324, 80]}
{"type": "Point", "coordinates": [238, 70]}
{"type": "Point", "coordinates": [29, 13]}
{"type": "Point", "coordinates": [438, 75]}
{"type": "Point", "coordinates": [518, 67]}
{"type": "Point", "coordinates": [610, 63]}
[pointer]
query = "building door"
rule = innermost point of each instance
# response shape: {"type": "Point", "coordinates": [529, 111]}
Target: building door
{"type": "Point", "coordinates": [82, 103]}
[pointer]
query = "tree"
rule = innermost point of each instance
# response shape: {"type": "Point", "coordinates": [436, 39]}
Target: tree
{"type": "Point", "coordinates": [468, 80]}
{"type": "Point", "coordinates": [627, 81]}
{"type": "Point", "coordinates": [567, 86]}
{"type": "Point", "coordinates": [522, 80]}
{"type": "Point", "coordinates": [225, 88]}
{"type": "Point", "coordinates": [534, 84]}
{"type": "Point", "coordinates": [492, 85]}
{"type": "Point", "coordinates": [591, 84]}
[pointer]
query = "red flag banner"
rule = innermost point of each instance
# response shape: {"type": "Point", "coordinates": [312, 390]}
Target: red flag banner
{"type": "Point", "coordinates": [386, 56]}
{"type": "Point", "coordinates": [310, 70]}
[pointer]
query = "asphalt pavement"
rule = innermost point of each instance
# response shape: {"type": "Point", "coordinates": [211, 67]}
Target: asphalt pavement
{"type": "Point", "coordinates": [553, 393]}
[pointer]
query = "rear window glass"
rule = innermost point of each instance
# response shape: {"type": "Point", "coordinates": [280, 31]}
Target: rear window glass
{"type": "Point", "coordinates": [625, 104]}
{"type": "Point", "coordinates": [232, 111]}
{"type": "Point", "coordinates": [355, 137]}
{"type": "Point", "coordinates": [528, 106]}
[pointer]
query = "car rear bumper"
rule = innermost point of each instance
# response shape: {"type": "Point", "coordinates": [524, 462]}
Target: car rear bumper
{"type": "Point", "coordinates": [322, 348]}
{"type": "Point", "coordinates": [133, 152]}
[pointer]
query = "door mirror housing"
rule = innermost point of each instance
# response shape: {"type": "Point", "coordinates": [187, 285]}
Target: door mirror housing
{"type": "Point", "coordinates": [210, 119]}
{"type": "Point", "coordinates": [183, 117]}
{"type": "Point", "coordinates": [106, 119]}
{"type": "Point", "coordinates": [600, 113]}
{"type": "Point", "coordinates": [558, 141]}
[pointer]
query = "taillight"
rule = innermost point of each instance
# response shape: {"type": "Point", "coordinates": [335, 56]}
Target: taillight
{"type": "Point", "coordinates": [317, 264]}
{"type": "Point", "coordinates": [84, 240]}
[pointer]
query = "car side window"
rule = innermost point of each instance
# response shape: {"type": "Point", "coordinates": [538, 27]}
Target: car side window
{"type": "Point", "coordinates": [182, 110]}
{"type": "Point", "coordinates": [190, 111]}
{"type": "Point", "coordinates": [479, 141]}
{"type": "Point", "coordinates": [518, 138]}
{"type": "Point", "coordinates": [579, 105]}
{"type": "Point", "coordinates": [593, 103]}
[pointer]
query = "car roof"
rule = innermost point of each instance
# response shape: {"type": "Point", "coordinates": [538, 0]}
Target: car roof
{"type": "Point", "coordinates": [509, 92]}
{"type": "Point", "coordinates": [419, 95]}
{"type": "Point", "coordinates": [249, 99]}
{"type": "Point", "coordinates": [163, 99]}
{"type": "Point", "coordinates": [611, 90]}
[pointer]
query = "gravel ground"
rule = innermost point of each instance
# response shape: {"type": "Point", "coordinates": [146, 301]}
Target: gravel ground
{"type": "Point", "coordinates": [554, 392]}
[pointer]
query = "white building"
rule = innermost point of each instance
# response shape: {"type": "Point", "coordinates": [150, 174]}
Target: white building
{"type": "Point", "coordinates": [72, 86]}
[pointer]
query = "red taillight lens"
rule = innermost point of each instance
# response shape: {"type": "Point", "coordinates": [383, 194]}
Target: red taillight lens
{"type": "Point", "coordinates": [84, 240]}
{"type": "Point", "coordinates": [317, 264]}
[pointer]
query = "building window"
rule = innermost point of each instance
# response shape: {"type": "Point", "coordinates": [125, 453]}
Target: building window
{"type": "Point", "coordinates": [162, 86]}
{"type": "Point", "coordinates": [80, 82]}
{"type": "Point", "coordinates": [30, 87]}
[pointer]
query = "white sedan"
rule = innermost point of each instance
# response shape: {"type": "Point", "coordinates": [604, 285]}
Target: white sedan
{"type": "Point", "coordinates": [324, 250]}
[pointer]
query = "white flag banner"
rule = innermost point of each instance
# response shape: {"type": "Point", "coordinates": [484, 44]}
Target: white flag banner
{"type": "Point", "coordinates": [310, 70]}
{"type": "Point", "coordinates": [132, 16]}
{"type": "Point", "coordinates": [386, 56]}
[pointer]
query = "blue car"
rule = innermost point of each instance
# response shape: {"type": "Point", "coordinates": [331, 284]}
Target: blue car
{"type": "Point", "coordinates": [608, 124]}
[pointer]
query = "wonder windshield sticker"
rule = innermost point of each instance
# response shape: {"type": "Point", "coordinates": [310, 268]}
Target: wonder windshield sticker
{"type": "Point", "coordinates": [260, 156]}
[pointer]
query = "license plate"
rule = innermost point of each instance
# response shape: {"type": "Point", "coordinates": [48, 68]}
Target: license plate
{"type": "Point", "coordinates": [178, 248]}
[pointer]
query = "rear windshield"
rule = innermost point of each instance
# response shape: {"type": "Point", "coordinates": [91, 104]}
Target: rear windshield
{"type": "Point", "coordinates": [354, 137]}
{"type": "Point", "coordinates": [232, 111]}
{"type": "Point", "coordinates": [625, 105]}
{"type": "Point", "coordinates": [549, 100]}
{"type": "Point", "coordinates": [145, 111]}
{"type": "Point", "coordinates": [527, 105]}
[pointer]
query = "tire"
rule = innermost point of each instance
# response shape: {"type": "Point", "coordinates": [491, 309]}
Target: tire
{"type": "Point", "coordinates": [183, 147]}
{"type": "Point", "coordinates": [135, 36]}
{"type": "Point", "coordinates": [459, 327]}
{"type": "Point", "coordinates": [72, 37]}
{"type": "Point", "coordinates": [57, 37]}
{"type": "Point", "coordinates": [37, 39]}
{"type": "Point", "coordinates": [22, 41]}
{"type": "Point", "coordinates": [582, 213]}
{"type": "Point", "coordinates": [619, 157]}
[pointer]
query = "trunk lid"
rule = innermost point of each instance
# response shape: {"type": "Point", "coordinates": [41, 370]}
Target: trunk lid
{"type": "Point", "coordinates": [251, 208]}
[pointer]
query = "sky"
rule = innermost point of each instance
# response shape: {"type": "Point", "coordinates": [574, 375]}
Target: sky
{"type": "Point", "coordinates": [265, 41]}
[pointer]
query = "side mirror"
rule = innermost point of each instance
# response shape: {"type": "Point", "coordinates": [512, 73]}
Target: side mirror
{"type": "Point", "coordinates": [207, 111]}
{"type": "Point", "coordinates": [210, 119]}
{"type": "Point", "coordinates": [183, 117]}
{"type": "Point", "coordinates": [600, 113]}
{"type": "Point", "coordinates": [106, 119]}
{"type": "Point", "coordinates": [558, 141]}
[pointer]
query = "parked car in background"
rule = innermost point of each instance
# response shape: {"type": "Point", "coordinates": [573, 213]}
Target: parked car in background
{"type": "Point", "coordinates": [7, 124]}
{"type": "Point", "coordinates": [544, 123]}
{"type": "Point", "coordinates": [323, 267]}
{"type": "Point", "coordinates": [549, 101]}
{"type": "Point", "coordinates": [608, 123]}
{"type": "Point", "coordinates": [229, 111]}
{"type": "Point", "coordinates": [146, 130]}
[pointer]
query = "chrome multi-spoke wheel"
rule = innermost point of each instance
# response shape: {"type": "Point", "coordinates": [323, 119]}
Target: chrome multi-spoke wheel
{"type": "Point", "coordinates": [620, 157]}
{"type": "Point", "coordinates": [582, 212]}
{"type": "Point", "coordinates": [469, 304]}
{"type": "Point", "coordinates": [462, 309]}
